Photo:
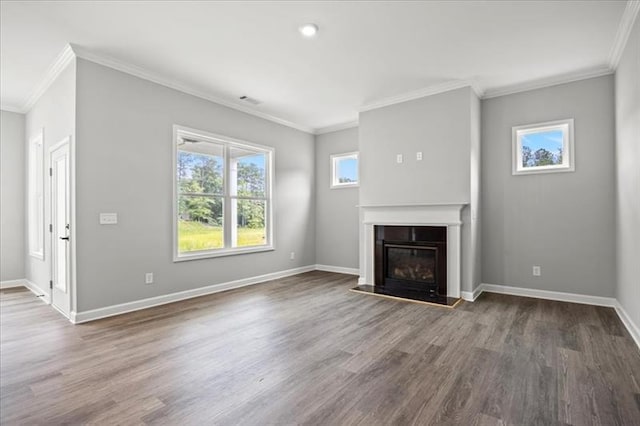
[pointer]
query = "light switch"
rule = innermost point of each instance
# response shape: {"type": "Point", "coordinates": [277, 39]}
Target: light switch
{"type": "Point", "coordinates": [108, 218]}
{"type": "Point", "coordinates": [419, 155]}
{"type": "Point", "coordinates": [399, 158]}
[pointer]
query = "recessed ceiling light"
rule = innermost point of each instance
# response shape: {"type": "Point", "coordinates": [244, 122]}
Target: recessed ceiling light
{"type": "Point", "coordinates": [308, 30]}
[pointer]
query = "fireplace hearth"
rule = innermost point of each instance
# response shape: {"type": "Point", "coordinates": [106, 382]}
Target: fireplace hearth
{"type": "Point", "coordinates": [410, 262]}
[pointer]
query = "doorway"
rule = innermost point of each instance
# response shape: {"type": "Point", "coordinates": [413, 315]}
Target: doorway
{"type": "Point", "coordinates": [60, 226]}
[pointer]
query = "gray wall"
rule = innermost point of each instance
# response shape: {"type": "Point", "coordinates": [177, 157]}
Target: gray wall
{"type": "Point", "coordinates": [12, 199]}
{"type": "Point", "coordinates": [445, 128]}
{"type": "Point", "coordinates": [124, 165]}
{"type": "Point", "coordinates": [563, 222]}
{"type": "Point", "coordinates": [55, 113]}
{"type": "Point", "coordinates": [437, 125]}
{"type": "Point", "coordinates": [628, 176]}
{"type": "Point", "coordinates": [336, 211]}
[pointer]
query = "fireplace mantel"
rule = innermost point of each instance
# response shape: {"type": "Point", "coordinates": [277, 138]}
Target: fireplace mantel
{"type": "Point", "coordinates": [445, 214]}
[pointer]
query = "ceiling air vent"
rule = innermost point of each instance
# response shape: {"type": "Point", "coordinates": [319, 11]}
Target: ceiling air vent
{"type": "Point", "coordinates": [250, 100]}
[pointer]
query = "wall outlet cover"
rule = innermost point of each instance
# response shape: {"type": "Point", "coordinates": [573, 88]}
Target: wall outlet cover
{"type": "Point", "coordinates": [108, 218]}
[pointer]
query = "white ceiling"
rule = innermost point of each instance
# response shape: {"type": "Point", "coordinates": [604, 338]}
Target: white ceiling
{"type": "Point", "coordinates": [364, 51]}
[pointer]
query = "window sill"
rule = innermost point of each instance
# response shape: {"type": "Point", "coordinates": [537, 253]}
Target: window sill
{"type": "Point", "coordinates": [543, 169]}
{"type": "Point", "coordinates": [352, 185]}
{"type": "Point", "coordinates": [207, 254]}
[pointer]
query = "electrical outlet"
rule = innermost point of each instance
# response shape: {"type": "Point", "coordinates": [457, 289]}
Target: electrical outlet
{"type": "Point", "coordinates": [399, 158]}
{"type": "Point", "coordinates": [419, 155]}
{"type": "Point", "coordinates": [536, 271]}
{"type": "Point", "coordinates": [292, 256]}
{"type": "Point", "coordinates": [148, 278]}
{"type": "Point", "coordinates": [108, 218]}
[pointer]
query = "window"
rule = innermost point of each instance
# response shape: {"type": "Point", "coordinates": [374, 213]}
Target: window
{"type": "Point", "coordinates": [543, 148]}
{"type": "Point", "coordinates": [36, 196]}
{"type": "Point", "coordinates": [344, 170]}
{"type": "Point", "coordinates": [223, 190]}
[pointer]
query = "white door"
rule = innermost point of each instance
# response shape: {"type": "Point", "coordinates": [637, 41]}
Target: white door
{"type": "Point", "coordinates": [60, 209]}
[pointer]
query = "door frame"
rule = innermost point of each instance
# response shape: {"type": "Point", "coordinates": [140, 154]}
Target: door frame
{"type": "Point", "coordinates": [71, 258]}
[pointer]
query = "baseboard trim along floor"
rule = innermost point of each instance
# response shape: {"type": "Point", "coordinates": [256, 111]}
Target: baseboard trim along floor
{"type": "Point", "coordinates": [40, 293]}
{"type": "Point", "coordinates": [12, 284]}
{"type": "Point", "coordinates": [108, 311]}
{"type": "Point", "coordinates": [632, 328]}
{"type": "Point", "coordinates": [559, 296]}
{"type": "Point", "coordinates": [338, 269]}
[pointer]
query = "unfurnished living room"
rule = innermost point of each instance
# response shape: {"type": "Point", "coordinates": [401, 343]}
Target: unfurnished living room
{"type": "Point", "coordinates": [320, 213]}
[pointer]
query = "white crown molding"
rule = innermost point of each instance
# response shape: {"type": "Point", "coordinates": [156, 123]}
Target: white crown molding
{"type": "Point", "coordinates": [477, 88]}
{"type": "Point", "coordinates": [59, 64]}
{"type": "Point", "coordinates": [11, 108]}
{"type": "Point", "coordinates": [181, 87]}
{"type": "Point", "coordinates": [70, 51]}
{"type": "Point", "coordinates": [548, 82]}
{"type": "Point", "coordinates": [416, 94]}
{"type": "Point", "coordinates": [624, 30]}
{"type": "Point", "coordinates": [336, 127]}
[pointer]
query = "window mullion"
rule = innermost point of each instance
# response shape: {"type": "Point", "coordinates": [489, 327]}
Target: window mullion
{"type": "Point", "coordinates": [227, 220]}
{"type": "Point", "coordinates": [236, 157]}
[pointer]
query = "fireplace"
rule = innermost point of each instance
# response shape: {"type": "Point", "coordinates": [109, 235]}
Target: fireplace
{"type": "Point", "coordinates": [434, 225]}
{"type": "Point", "coordinates": [411, 260]}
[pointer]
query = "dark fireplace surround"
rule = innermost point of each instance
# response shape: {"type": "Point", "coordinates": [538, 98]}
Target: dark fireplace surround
{"type": "Point", "coordinates": [411, 262]}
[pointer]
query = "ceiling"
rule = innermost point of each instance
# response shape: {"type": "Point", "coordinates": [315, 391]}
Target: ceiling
{"type": "Point", "coordinates": [364, 51]}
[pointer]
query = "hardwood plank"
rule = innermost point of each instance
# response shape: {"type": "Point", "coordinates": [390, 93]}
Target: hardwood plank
{"type": "Point", "coordinates": [305, 350]}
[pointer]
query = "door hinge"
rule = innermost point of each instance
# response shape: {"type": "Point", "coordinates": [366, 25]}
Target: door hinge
{"type": "Point", "coordinates": [50, 228]}
{"type": "Point", "coordinates": [50, 284]}
{"type": "Point", "coordinates": [50, 171]}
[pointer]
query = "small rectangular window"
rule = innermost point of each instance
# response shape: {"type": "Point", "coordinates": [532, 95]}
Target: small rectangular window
{"type": "Point", "coordinates": [35, 200]}
{"type": "Point", "coordinates": [543, 147]}
{"type": "Point", "coordinates": [344, 170]}
{"type": "Point", "coordinates": [223, 195]}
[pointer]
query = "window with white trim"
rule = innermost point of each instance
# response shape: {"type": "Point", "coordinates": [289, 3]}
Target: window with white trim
{"type": "Point", "coordinates": [344, 170]}
{"type": "Point", "coordinates": [543, 147]}
{"type": "Point", "coordinates": [223, 193]}
{"type": "Point", "coordinates": [35, 194]}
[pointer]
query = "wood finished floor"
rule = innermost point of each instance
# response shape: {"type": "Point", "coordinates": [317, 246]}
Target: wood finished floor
{"type": "Point", "coordinates": [305, 350]}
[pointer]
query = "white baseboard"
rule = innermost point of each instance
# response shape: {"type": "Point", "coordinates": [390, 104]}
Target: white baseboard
{"type": "Point", "coordinates": [94, 314]}
{"type": "Point", "coordinates": [471, 296]}
{"type": "Point", "coordinates": [43, 295]}
{"type": "Point", "coordinates": [108, 311]}
{"type": "Point", "coordinates": [633, 328]}
{"type": "Point", "coordinates": [12, 284]}
{"type": "Point", "coordinates": [338, 269]}
{"type": "Point", "coordinates": [610, 302]}
{"type": "Point", "coordinates": [64, 314]}
{"type": "Point", "coordinates": [549, 295]}
{"type": "Point", "coordinates": [362, 281]}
